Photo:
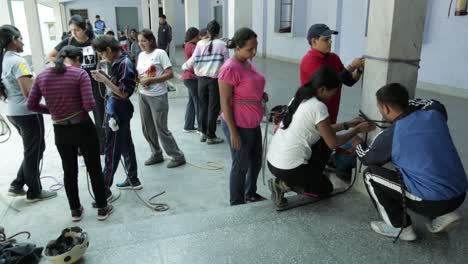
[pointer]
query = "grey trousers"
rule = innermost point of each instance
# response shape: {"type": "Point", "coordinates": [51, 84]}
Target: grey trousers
{"type": "Point", "coordinates": [153, 112]}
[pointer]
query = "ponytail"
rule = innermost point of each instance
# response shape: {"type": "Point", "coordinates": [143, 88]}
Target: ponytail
{"type": "Point", "coordinates": [70, 52]}
{"type": "Point", "coordinates": [213, 28]}
{"type": "Point", "coordinates": [324, 77]}
{"type": "Point", "coordinates": [240, 38]}
{"type": "Point", "coordinates": [8, 33]}
{"type": "Point", "coordinates": [59, 64]}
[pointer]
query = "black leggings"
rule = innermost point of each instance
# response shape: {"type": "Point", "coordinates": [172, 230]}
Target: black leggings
{"type": "Point", "coordinates": [68, 138]}
{"type": "Point", "coordinates": [308, 178]}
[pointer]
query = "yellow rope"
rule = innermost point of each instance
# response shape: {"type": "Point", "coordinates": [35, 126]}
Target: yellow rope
{"type": "Point", "coordinates": [68, 117]}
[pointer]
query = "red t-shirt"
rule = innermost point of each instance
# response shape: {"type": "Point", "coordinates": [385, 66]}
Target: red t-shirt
{"type": "Point", "coordinates": [311, 62]}
{"type": "Point", "coordinates": [188, 51]}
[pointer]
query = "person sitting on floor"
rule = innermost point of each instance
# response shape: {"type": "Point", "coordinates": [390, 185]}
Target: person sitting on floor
{"type": "Point", "coordinates": [300, 149]}
{"type": "Point", "coordinates": [429, 177]}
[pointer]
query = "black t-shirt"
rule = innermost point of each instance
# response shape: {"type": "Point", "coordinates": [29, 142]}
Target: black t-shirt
{"type": "Point", "coordinates": [89, 62]}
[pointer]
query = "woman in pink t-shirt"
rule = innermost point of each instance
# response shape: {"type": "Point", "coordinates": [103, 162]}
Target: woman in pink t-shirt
{"type": "Point", "coordinates": [241, 89]}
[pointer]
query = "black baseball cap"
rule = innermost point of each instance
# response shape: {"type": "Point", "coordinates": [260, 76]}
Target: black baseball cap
{"type": "Point", "coordinates": [318, 30]}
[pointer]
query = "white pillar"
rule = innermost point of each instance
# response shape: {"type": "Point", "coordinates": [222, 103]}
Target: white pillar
{"type": "Point", "coordinates": [239, 15]}
{"type": "Point", "coordinates": [6, 14]}
{"type": "Point", "coordinates": [145, 13]}
{"type": "Point", "coordinates": [169, 10]}
{"type": "Point", "coordinates": [60, 26]}
{"type": "Point", "coordinates": [395, 31]}
{"type": "Point", "coordinates": [154, 15]}
{"type": "Point", "coordinates": [35, 37]}
{"type": "Point", "coordinates": [192, 14]}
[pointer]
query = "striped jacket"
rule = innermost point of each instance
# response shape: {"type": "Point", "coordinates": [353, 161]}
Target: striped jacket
{"type": "Point", "coordinates": [205, 63]}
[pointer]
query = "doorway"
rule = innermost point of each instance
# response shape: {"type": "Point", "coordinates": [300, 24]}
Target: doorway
{"type": "Point", "coordinates": [126, 16]}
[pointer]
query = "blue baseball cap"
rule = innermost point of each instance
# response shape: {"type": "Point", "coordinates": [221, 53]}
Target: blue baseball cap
{"type": "Point", "coordinates": [318, 30]}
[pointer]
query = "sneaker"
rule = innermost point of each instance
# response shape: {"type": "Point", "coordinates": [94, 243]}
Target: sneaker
{"type": "Point", "coordinates": [277, 194]}
{"type": "Point", "coordinates": [77, 214]}
{"type": "Point", "coordinates": [81, 161]}
{"type": "Point", "coordinates": [382, 228]}
{"type": "Point", "coordinates": [127, 185]}
{"type": "Point", "coordinates": [109, 198]}
{"type": "Point", "coordinates": [216, 140]}
{"type": "Point", "coordinates": [154, 160]}
{"type": "Point", "coordinates": [255, 198]}
{"type": "Point", "coordinates": [104, 213]}
{"type": "Point", "coordinates": [175, 163]}
{"type": "Point", "coordinates": [194, 130]}
{"type": "Point", "coordinates": [14, 191]}
{"type": "Point", "coordinates": [44, 195]}
{"type": "Point", "coordinates": [203, 138]}
{"type": "Point", "coordinates": [444, 222]}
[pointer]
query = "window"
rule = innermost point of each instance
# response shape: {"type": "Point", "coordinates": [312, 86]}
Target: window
{"type": "Point", "coordinates": [82, 12]}
{"type": "Point", "coordinates": [51, 29]}
{"type": "Point", "coordinates": [284, 16]}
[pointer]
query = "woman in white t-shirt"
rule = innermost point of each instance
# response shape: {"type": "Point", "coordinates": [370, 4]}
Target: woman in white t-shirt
{"type": "Point", "coordinates": [302, 146]}
{"type": "Point", "coordinates": [154, 69]}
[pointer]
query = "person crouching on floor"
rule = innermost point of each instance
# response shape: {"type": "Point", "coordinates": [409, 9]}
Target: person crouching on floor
{"type": "Point", "coordinates": [429, 177]}
{"type": "Point", "coordinates": [300, 149]}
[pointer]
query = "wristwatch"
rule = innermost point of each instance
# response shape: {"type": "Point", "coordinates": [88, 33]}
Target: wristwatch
{"type": "Point", "coordinates": [345, 125]}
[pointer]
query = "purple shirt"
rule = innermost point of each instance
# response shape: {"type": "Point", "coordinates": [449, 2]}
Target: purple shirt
{"type": "Point", "coordinates": [65, 94]}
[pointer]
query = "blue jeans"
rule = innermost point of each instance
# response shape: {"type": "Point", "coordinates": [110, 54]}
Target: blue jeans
{"type": "Point", "coordinates": [246, 163]}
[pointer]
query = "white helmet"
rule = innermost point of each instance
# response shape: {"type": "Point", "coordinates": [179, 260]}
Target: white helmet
{"type": "Point", "coordinates": [69, 247]}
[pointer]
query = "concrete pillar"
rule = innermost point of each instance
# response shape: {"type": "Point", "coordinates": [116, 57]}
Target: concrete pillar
{"type": "Point", "coordinates": [145, 13]}
{"type": "Point", "coordinates": [60, 20]}
{"type": "Point", "coordinates": [169, 9]}
{"type": "Point", "coordinates": [154, 15]}
{"type": "Point", "coordinates": [239, 15]}
{"type": "Point", "coordinates": [6, 14]}
{"type": "Point", "coordinates": [192, 14]}
{"type": "Point", "coordinates": [35, 36]}
{"type": "Point", "coordinates": [395, 31]}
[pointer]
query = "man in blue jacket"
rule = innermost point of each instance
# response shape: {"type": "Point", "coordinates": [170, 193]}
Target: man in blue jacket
{"type": "Point", "coordinates": [429, 177]}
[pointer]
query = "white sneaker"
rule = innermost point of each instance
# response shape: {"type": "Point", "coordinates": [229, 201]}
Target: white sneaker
{"type": "Point", "coordinates": [81, 162]}
{"type": "Point", "coordinates": [113, 124]}
{"type": "Point", "coordinates": [444, 222]}
{"type": "Point", "coordinates": [382, 228]}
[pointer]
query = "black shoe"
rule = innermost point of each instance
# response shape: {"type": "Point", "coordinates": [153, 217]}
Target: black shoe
{"type": "Point", "coordinates": [104, 213]}
{"type": "Point", "coordinates": [44, 195]}
{"type": "Point", "coordinates": [77, 214]}
{"type": "Point", "coordinates": [215, 140]}
{"type": "Point", "coordinates": [15, 191]}
{"type": "Point", "coordinates": [203, 138]}
{"type": "Point", "coordinates": [255, 198]}
{"type": "Point", "coordinates": [154, 160]}
{"type": "Point", "coordinates": [109, 197]}
{"type": "Point", "coordinates": [130, 185]}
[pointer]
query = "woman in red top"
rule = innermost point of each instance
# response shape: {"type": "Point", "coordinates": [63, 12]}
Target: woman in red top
{"type": "Point", "coordinates": [192, 36]}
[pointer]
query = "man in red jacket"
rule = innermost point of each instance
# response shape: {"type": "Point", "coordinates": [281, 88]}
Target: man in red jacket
{"type": "Point", "coordinates": [319, 38]}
